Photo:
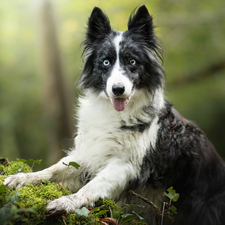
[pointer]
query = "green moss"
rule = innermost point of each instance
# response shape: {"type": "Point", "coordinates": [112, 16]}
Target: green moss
{"type": "Point", "coordinates": [29, 196]}
{"type": "Point", "coordinates": [36, 197]}
{"type": "Point", "coordinates": [108, 203]}
{"type": "Point", "coordinates": [28, 204]}
{"type": "Point", "coordinates": [14, 167]}
{"type": "Point", "coordinates": [8, 168]}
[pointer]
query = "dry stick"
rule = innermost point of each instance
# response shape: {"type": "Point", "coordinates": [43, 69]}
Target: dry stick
{"type": "Point", "coordinates": [32, 165]}
{"type": "Point", "coordinates": [63, 219]}
{"type": "Point", "coordinates": [110, 211]}
{"type": "Point", "coordinates": [163, 212]}
{"type": "Point", "coordinates": [156, 208]}
{"type": "Point", "coordinates": [158, 212]}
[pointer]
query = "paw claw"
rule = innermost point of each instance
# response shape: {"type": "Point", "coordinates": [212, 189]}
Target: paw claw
{"type": "Point", "coordinates": [19, 180]}
{"type": "Point", "coordinates": [63, 204]}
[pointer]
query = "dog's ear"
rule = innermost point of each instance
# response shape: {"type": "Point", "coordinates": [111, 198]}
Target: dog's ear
{"type": "Point", "coordinates": [141, 22]}
{"type": "Point", "coordinates": [98, 25]}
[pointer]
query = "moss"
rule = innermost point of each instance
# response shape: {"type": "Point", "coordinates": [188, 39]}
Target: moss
{"type": "Point", "coordinates": [28, 204]}
{"type": "Point", "coordinates": [13, 167]}
{"type": "Point", "coordinates": [36, 197]}
{"type": "Point", "coordinates": [29, 196]}
{"type": "Point", "coordinates": [108, 203]}
{"type": "Point", "coordinates": [8, 168]}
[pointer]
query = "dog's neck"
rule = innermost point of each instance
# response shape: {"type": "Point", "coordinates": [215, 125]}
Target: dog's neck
{"type": "Point", "coordinates": [142, 108]}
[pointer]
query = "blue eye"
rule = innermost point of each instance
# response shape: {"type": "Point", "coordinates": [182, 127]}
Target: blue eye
{"type": "Point", "coordinates": [132, 62]}
{"type": "Point", "coordinates": [106, 62]}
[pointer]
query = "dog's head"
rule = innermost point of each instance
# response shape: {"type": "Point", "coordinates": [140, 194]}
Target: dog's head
{"type": "Point", "coordinates": [119, 64]}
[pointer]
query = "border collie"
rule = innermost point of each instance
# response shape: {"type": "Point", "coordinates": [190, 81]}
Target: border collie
{"type": "Point", "coordinates": [129, 136]}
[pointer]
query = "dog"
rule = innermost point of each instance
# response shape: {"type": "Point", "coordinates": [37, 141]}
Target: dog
{"type": "Point", "coordinates": [129, 136]}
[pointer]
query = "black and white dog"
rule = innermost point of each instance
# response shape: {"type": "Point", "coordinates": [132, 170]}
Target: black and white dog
{"type": "Point", "coordinates": [129, 136]}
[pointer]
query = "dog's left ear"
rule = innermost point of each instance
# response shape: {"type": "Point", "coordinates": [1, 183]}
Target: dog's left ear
{"type": "Point", "coordinates": [141, 22]}
{"type": "Point", "coordinates": [98, 25]}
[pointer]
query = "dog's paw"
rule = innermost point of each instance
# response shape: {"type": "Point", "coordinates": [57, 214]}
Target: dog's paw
{"type": "Point", "coordinates": [66, 204]}
{"type": "Point", "coordinates": [21, 179]}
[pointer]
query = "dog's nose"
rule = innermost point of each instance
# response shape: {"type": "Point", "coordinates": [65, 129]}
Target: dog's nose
{"type": "Point", "coordinates": [118, 89]}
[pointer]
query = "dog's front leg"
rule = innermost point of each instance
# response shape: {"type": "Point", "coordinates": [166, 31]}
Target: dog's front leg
{"type": "Point", "coordinates": [54, 173]}
{"type": "Point", "coordinates": [110, 182]}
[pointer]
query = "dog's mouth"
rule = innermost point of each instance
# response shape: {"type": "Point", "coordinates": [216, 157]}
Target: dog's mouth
{"type": "Point", "coordinates": [120, 103]}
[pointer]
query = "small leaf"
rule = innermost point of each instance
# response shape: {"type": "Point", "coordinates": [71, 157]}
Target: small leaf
{"type": "Point", "coordinates": [21, 160]}
{"type": "Point", "coordinates": [102, 212]}
{"type": "Point", "coordinates": [126, 215]}
{"type": "Point", "coordinates": [115, 214]}
{"type": "Point", "coordinates": [3, 188]}
{"type": "Point", "coordinates": [82, 212]}
{"type": "Point", "coordinates": [172, 194]}
{"type": "Point", "coordinates": [6, 213]}
{"type": "Point", "coordinates": [171, 217]}
{"type": "Point", "coordinates": [15, 198]}
{"type": "Point", "coordinates": [173, 209]}
{"type": "Point", "coordinates": [141, 218]}
{"type": "Point", "coordinates": [95, 209]}
{"type": "Point", "coordinates": [74, 164]}
{"type": "Point", "coordinates": [38, 161]}
{"type": "Point", "coordinates": [19, 168]}
{"type": "Point", "coordinates": [30, 161]}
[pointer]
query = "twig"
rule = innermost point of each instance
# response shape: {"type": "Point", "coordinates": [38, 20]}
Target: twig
{"type": "Point", "coordinates": [110, 212]}
{"type": "Point", "coordinates": [163, 212]}
{"type": "Point", "coordinates": [64, 221]}
{"type": "Point", "coordinates": [32, 165]}
{"type": "Point", "coordinates": [158, 212]}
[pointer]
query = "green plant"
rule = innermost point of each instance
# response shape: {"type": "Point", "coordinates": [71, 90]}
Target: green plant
{"type": "Point", "coordinates": [30, 161]}
{"type": "Point", "coordinates": [171, 209]}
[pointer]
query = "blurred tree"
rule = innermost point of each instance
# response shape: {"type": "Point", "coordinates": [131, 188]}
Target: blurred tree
{"type": "Point", "coordinates": [57, 98]}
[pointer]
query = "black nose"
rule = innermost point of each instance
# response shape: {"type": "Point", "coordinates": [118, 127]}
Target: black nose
{"type": "Point", "coordinates": [118, 89]}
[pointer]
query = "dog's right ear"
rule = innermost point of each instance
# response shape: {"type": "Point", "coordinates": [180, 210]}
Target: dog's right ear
{"type": "Point", "coordinates": [98, 25]}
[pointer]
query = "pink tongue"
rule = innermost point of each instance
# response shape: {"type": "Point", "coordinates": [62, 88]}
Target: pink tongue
{"type": "Point", "coordinates": [119, 103]}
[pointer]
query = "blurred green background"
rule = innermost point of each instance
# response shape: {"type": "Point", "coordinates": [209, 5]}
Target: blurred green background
{"type": "Point", "coordinates": [192, 33]}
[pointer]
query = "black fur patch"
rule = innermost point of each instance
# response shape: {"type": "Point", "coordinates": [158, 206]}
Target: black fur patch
{"type": "Point", "coordinates": [185, 159]}
{"type": "Point", "coordinates": [138, 127]}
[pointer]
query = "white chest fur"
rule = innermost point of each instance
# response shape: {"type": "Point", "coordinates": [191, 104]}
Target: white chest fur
{"type": "Point", "coordinates": [101, 140]}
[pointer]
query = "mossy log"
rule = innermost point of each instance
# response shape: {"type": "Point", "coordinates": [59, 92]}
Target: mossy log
{"type": "Point", "coordinates": [27, 205]}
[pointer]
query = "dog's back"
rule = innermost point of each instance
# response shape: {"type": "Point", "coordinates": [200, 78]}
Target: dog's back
{"type": "Point", "coordinates": [185, 159]}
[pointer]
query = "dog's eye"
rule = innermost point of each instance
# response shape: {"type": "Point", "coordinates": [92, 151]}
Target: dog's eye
{"type": "Point", "coordinates": [106, 62]}
{"type": "Point", "coordinates": [132, 62]}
